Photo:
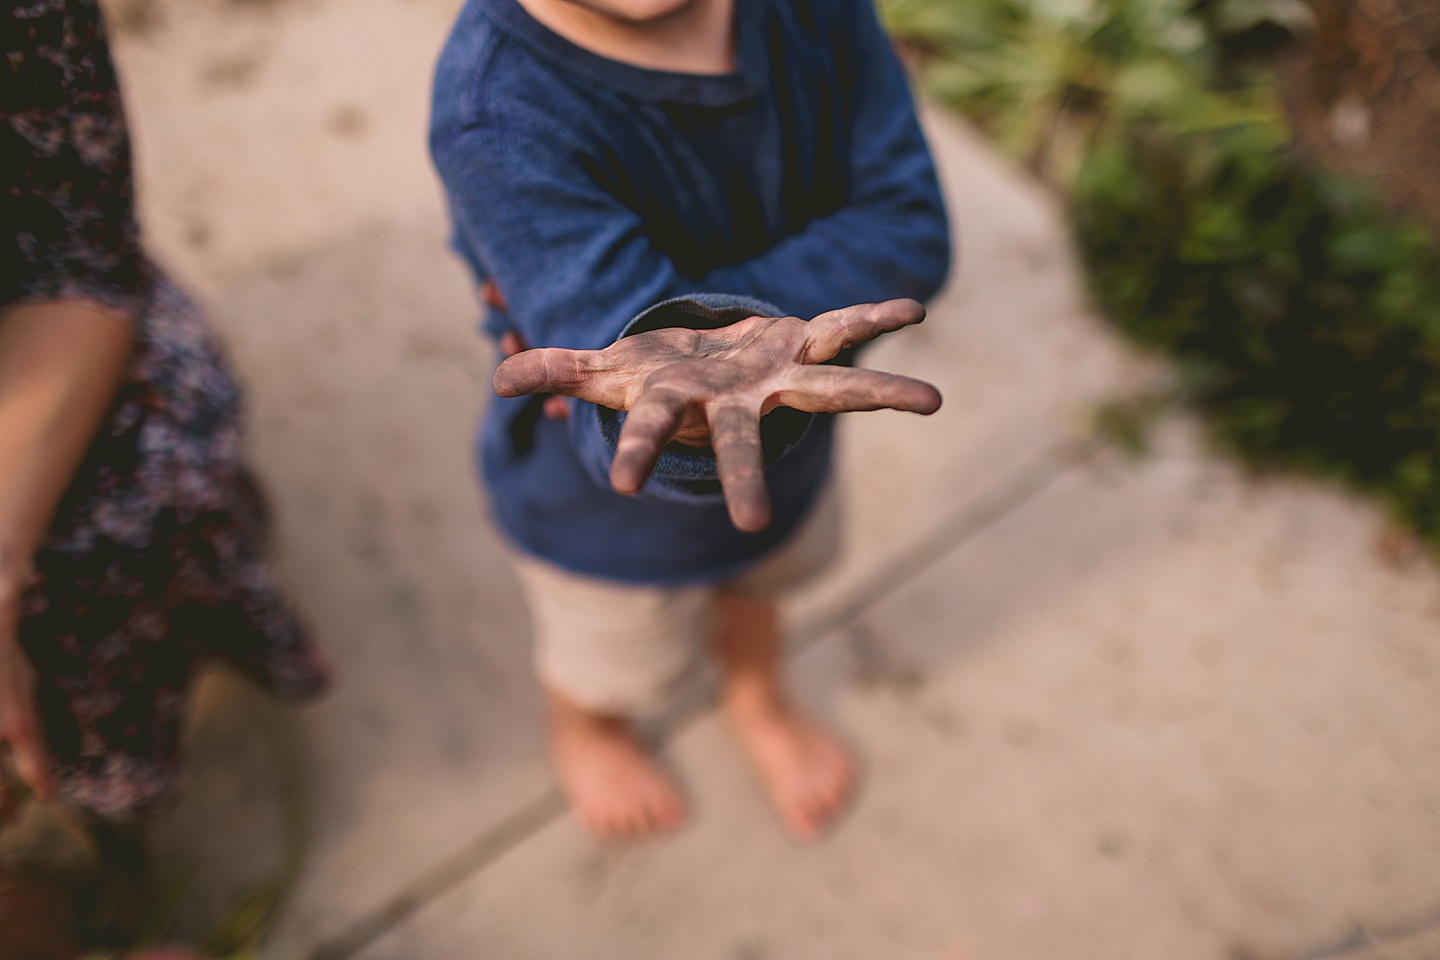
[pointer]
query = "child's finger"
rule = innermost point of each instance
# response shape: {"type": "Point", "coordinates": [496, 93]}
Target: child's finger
{"type": "Point", "coordinates": [570, 373]}
{"type": "Point", "coordinates": [649, 425]}
{"type": "Point", "coordinates": [740, 461]}
{"type": "Point", "coordinates": [549, 370]}
{"type": "Point", "coordinates": [829, 333]}
{"type": "Point", "coordinates": [827, 389]}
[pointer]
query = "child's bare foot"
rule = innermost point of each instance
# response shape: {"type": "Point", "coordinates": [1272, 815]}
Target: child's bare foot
{"type": "Point", "coordinates": [807, 772]}
{"type": "Point", "coordinates": [613, 785]}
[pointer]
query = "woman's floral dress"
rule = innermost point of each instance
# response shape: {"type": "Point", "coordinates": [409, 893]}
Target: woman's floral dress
{"type": "Point", "coordinates": [155, 558]}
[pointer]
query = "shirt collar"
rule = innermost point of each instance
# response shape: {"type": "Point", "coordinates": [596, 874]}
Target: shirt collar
{"type": "Point", "coordinates": [702, 90]}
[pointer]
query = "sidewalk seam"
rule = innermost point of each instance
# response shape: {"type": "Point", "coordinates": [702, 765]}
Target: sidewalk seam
{"type": "Point", "coordinates": [521, 824]}
{"type": "Point", "coordinates": [1362, 937]}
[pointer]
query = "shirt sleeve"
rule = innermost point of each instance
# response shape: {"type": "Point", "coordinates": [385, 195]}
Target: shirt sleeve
{"type": "Point", "coordinates": [66, 190]}
{"type": "Point", "coordinates": [574, 263]}
{"type": "Point", "coordinates": [892, 236]}
{"type": "Point", "coordinates": [576, 276]}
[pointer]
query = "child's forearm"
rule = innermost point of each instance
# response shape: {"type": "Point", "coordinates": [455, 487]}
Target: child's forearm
{"type": "Point", "coordinates": [60, 364]}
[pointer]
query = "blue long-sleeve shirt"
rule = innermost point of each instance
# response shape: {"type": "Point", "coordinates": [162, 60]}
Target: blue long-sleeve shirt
{"type": "Point", "coordinates": [590, 190]}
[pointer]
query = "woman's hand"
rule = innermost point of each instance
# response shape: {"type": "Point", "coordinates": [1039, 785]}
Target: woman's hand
{"type": "Point", "coordinates": [20, 731]}
{"type": "Point", "coordinates": [713, 386]}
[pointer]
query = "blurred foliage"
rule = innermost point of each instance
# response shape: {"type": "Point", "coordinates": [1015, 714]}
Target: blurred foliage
{"type": "Point", "coordinates": [1126, 421]}
{"type": "Point", "coordinates": [1304, 316]}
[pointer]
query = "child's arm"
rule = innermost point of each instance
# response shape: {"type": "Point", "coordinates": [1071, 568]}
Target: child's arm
{"type": "Point", "coordinates": [576, 265]}
{"type": "Point", "coordinates": [578, 276]}
{"type": "Point", "coordinates": [891, 238]}
{"type": "Point", "coordinates": [573, 263]}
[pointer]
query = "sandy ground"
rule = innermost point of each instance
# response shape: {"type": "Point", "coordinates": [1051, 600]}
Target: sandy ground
{"type": "Point", "coordinates": [1107, 707]}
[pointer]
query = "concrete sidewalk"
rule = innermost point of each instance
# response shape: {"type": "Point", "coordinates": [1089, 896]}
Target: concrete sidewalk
{"type": "Point", "coordinates": [1106, 708]}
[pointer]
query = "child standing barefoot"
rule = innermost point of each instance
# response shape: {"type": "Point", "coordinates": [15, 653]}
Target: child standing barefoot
{"type": "Point", "coordinates": [653, 191]}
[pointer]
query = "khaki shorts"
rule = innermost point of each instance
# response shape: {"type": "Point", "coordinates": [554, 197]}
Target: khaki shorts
{"type": "Point", "coordinates": [622, 649]}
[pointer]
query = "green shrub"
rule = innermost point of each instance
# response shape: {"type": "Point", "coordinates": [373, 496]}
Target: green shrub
{"type": "Point", "coordinates": [1308, 318]}
{"type": "Point", "coordinates": [1305, 318]}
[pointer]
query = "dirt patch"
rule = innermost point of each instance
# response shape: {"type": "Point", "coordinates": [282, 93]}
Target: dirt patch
{"type": "Point", "coordinates": [1363, 90]}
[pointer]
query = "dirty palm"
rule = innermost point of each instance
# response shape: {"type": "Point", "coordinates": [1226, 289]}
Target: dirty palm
{"type": "Point", "coordinates": [713, 387]}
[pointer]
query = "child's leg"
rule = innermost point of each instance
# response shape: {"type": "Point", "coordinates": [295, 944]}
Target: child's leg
{"type": "Point", "coordinates": [807, 772]}
{"type": "Point", "coordinates": [604, 652]}
{"type": "Point", "coordinates": [615, 788]}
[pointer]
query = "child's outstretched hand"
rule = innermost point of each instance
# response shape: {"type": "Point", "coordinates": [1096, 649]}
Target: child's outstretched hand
{"type": "Point", "coordinates": [713, 386]}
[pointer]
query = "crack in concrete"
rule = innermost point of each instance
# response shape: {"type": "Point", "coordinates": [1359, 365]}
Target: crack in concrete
{"type": "Point", "coordinates": [899, 569]}
{"type": "Point", "coordinates": [522, 824]}
{"type": "Point", "coordinates": [1362, 937]}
